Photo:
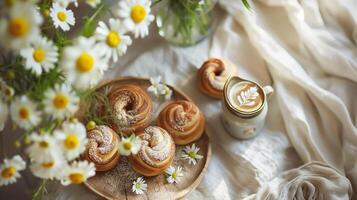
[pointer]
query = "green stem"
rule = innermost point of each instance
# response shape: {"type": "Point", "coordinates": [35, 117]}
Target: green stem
{"type": "Point", "coordinates": [39, 192]}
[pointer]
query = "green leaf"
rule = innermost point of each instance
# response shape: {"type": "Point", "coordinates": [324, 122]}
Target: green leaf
{"type": "Point", "coordinates": [91, 22]}
{"type": "Point", "coordinates": [246, 4]}
{"type": "Point", "coordinates": [88, 27]}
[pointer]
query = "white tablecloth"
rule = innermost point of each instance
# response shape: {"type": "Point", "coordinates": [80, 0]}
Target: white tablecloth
{"type": "Point", "coordinates": [307, 51]}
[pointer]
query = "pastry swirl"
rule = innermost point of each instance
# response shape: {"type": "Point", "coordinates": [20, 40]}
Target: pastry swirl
{"type": "Point", "coordinates": [183, 120]}
{"type": "Point", "coordinates": [156, 153]}
{"type": "Point", "coordinates": [102, 148]}
{"type": "Point", "coordinates": [212, 76]}
{"type": "Point", "coordinates": [132, 108]}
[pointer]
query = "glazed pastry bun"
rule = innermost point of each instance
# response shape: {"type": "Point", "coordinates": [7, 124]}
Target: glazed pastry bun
{"type": "Point", "coordinates": [212, 76]}
{"type": "Point", "coordinates": [132, 108]}
{"type": "Point", "coordinates": [156, 153]}
{"type": "Point", "coordinates": [102, 148]}
{"type": "Point", "coordinates": [183, 120]}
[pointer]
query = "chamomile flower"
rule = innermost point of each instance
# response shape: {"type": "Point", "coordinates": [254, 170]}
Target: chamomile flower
{"type": "Point", "coordinates": [4, 111]}
{"type": "Point", "coordinates": [190, 153]}
{"type": "Point", "coordinates": [93, 3]}
{"type": "Point", "coordinates": [112, 39]}
{"type": "Point", "coordinates": [174, 174]}
{"type": "Point", "coordinates": [6, 91]}
{"type": "Point", "coordinates": [40, 56]}
{"type": "Point", "coordinates": [23, 112]}
{"type": "Point", "coordinates": [83, 63]}
{"type": "Point", "coordinates": [61, 101]}
{"type": "Point", "coordinates": [139, 186]}
{"type": "Point", "coordinates": [158, 88]}
{"type": "Point", "coordinates": [49, 169]}
{"type": "Point", "coordinates": [21, 26]}
{"type": "Point", "coordinates": [77, 172]}
{"type": "Point", "coordinates": [44, 148]}
{"type": "Point", "coordinates": [136, 15]}
{"type": "Point", "coordinates": [72, 138]}
{"type": "Point", "coordinates": [155, 85]}
{"type": "Point", "coordinates": [62, 17]}
{"type": "Point", "coordinates": [9, 170]}
{"type": "Point", "coordinates": [130, 145]}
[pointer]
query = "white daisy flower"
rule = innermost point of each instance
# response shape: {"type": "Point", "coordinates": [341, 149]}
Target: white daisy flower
{"type": "Point", "coordinates": [4, 111]}
{"type": "Point", "coordinates": [72, 138]}
{"type": "Point", "coordinates": [83, 63]}
{"type": "Point", "coordinates": [62, 17]}
{"type": "Point", "coordinates": [139, 186]}
{"type": "Point", "coordinates": [65, 3]}
{"type": "Point", "coordinates": [93, 3]}
{"type": "Point", "coordinates": [158, 88]}
{"type": "Point", "coordinates": [23, 112]}
{"type": "Point", "coordinates": [9, 170]}
{"type": "Point", "coordinates": [49, 169]}
{"type": "Point", "coordinates": [6, 91]}
{"type": "Point", "coordinates": [40, 56]}
{"type": "Point", "coordinates": [44, 148]}
{"type": "Point", "coordinates": [77, 172]}
{"type": "Point", "coordinates": [130, 145]}
{"type": "Point", "coordinates": [112, 40]}
{"type": "Point", "coordinates": [21, 26]}
{"type": "Point", "coordinates": [136, 15]}
{"type": "Point", "coordinates": [61, 101]}
{"type": "Point", "coordinates": [155, 84]}
{"type": "Point", "coordinates": [174, 174]}
{"type": "Point", "coordinates": [191, 154]}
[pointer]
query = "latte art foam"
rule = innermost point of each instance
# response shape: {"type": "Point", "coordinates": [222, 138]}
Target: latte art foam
{"type": "Point", "coordinates": [245, 96]}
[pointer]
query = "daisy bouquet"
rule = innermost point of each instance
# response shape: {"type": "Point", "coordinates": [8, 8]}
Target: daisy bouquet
{"type": "Point", "coordinates": [50, 62]}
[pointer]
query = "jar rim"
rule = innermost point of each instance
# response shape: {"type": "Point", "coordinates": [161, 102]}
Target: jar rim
{"type": "Point", "coordinates": [232, 108]}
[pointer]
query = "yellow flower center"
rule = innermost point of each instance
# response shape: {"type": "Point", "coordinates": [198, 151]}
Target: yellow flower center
{"type": "Point", "coordinates": [43, 144]}
{"type": "Point", "coordinates": [138, 13]}
{"type": "Point", "coordinates": [48, 165]}
{"type": "Point", "coordinates": [85, 62]}
{"type": "Point", "coordinates": [60, 101]}
{"type": "Point", "coordinates": [8, 172]}
{"type": "Point", "coordinates": [90, 125]}
{"type": "Point", "coordinates": [128, 145]}
{"type": "Point", "coordinates": [174, 175]}
{"type": "Point", "coordinates": [71, 141]}
{"type": "Point", "coordinates": [62, 16]}
{"type": "Point", "coordinates": [113, 39]}
{"type": "Point", "coordinates": [39, 55]}
{"type": "Point", "coordinates": [24, 113]}
{"type": "Point", "coordinates": [76, 178]}
{"type": "Point", "coordinates": [18, 27]}
{"type": "Point", "coordinates": [192, 154]}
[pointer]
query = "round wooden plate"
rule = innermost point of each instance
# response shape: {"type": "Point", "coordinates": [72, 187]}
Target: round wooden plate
{"type": "Point", "coordinates": [117, 183]}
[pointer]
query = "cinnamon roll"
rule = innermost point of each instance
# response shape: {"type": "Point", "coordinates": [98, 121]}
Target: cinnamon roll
{"type": "Point", "coordinates": [212, 76]}
{"type": "Point", "coordinates": [156, 153]}
{"type": "Point", "coordinates": [183, 120]}
{"type": "Point", "coordinates": [102, 148]}
{"type": "Point", "coordinates": [131, 107]}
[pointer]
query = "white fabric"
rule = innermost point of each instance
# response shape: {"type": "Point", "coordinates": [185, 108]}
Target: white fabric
{"type": "Point", "coordinates": [310, 181]}
{"type": "Point", "coordinates": [307, 51]}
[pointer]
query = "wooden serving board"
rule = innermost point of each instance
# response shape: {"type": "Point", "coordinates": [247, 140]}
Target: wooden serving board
{"type": "Point", "coordinates": [117, 183]}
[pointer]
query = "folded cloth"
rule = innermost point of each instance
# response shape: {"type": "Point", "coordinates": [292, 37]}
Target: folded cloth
{"type": "Point", "coordinates": [314, 180]}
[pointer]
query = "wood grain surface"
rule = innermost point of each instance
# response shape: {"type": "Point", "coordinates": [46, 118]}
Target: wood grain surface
{"type": "Point", "coordinates": [117, 183]}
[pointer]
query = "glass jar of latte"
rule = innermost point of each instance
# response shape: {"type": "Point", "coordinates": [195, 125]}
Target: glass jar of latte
{"type": "Point", "coordinates": [244, 107]}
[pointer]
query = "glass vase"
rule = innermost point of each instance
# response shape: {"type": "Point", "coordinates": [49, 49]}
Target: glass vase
{"type": "Point", "coordinates": [185, 22]}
